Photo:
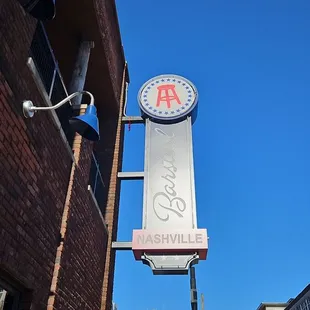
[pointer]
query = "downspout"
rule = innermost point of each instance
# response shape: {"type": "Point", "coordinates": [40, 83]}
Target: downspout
{"type": "Point", "coordinates": [126, 90]}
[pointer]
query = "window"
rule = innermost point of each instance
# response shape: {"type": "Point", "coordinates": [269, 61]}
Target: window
{"type": "Point", "coordinates": [97, 185]}
{"type": "Point", "coordinates": [303, 305]}
{"type": "Point", "coordinates": [9, 299]}
{"type": "Point", "coordinates": [46, 64]}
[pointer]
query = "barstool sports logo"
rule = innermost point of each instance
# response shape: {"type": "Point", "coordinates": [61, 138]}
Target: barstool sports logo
{"type": "Point", "coordinates": [168, 97]}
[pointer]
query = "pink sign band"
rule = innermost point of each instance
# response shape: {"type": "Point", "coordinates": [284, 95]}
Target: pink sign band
{"type": "Point", "coordinates": [170, 241]}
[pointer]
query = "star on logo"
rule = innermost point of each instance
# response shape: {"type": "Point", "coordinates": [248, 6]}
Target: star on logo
{"type": "Point", "coordinates": [183, 108]}
{"type": "Point", "coordinates": [179, 82]}
{"type": "Point", "coordinates": [166, 113]}
{"type": "Point", "coordinates": [187, 87]}
{"type": "Point", "coordinates": [187, 104]}
{"type": "Point", "coordinates": [189, 91]}
{"type": "Point", "coordinates": [149, 87]}
{"type": "Point", "coordinates": [157, 82]}
{"type": "Point", "coordinates": [178, 110]}
{"type": "Point", "coordinates": [162, 80]}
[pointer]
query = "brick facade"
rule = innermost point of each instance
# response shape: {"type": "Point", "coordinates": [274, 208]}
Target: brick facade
{"type": "Point", "coordinates": [80, 258]}
{"type": "Point", "coordinates": [53, 242]}
{"type": "Point", "coordinates": [30, 198]}
{"type": "Point", "coordinates": [34, 167]}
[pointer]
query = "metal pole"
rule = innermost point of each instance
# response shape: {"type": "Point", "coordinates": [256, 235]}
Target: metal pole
{"type": "Point", "coordinates": [193, 289]}
{"type": "Point", "coordinates": [80, 69]}
{"type": "Point", "coordinates": [202, 302]}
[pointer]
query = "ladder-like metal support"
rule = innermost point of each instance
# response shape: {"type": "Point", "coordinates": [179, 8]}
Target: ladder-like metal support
{"type": "Point", "coordinates": [124, 245]}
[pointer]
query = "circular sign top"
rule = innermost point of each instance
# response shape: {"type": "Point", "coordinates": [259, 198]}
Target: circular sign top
{"type": "Point", "coordinates": [168, 97]}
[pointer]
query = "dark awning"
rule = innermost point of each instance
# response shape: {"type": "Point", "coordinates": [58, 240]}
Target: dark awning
{"type": "Point", "coordinates": [39, 9]}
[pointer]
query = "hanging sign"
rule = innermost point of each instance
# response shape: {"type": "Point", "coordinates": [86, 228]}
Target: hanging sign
{"type": "Point", "coordinates": [170, 240]}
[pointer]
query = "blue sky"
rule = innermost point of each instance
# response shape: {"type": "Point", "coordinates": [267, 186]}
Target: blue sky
{"type": "Point", "coordinates": [250, 61]}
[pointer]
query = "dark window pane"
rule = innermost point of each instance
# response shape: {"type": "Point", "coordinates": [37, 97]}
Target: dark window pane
{"type": "Point", "coordinates": [42, 57]}
{"type": "Point", "coordinates": [97, 185]}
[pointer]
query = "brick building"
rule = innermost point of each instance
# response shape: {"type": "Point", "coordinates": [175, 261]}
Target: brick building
{"type": "Point", "coordinates": [300, 302]}
{"type": "Point", "coordinates": [58, 191]}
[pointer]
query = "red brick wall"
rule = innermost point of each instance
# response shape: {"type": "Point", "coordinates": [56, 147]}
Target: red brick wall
{"type": "Point", "coordinates": [82, 257]}
{"type": "Point", "coordinates": [34, 166]}
{"type": "Point", "coordinates": [32, 194]}
{"type": "Point", "coordinates": [35, 170]}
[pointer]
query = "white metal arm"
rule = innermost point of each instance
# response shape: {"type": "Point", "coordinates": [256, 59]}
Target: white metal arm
{"type": "Point", "coordinates": [29, 108]}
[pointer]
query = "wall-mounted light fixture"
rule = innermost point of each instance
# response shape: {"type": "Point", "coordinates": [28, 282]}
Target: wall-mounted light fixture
{"type": "Point", "coordinates": [86, 125]}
